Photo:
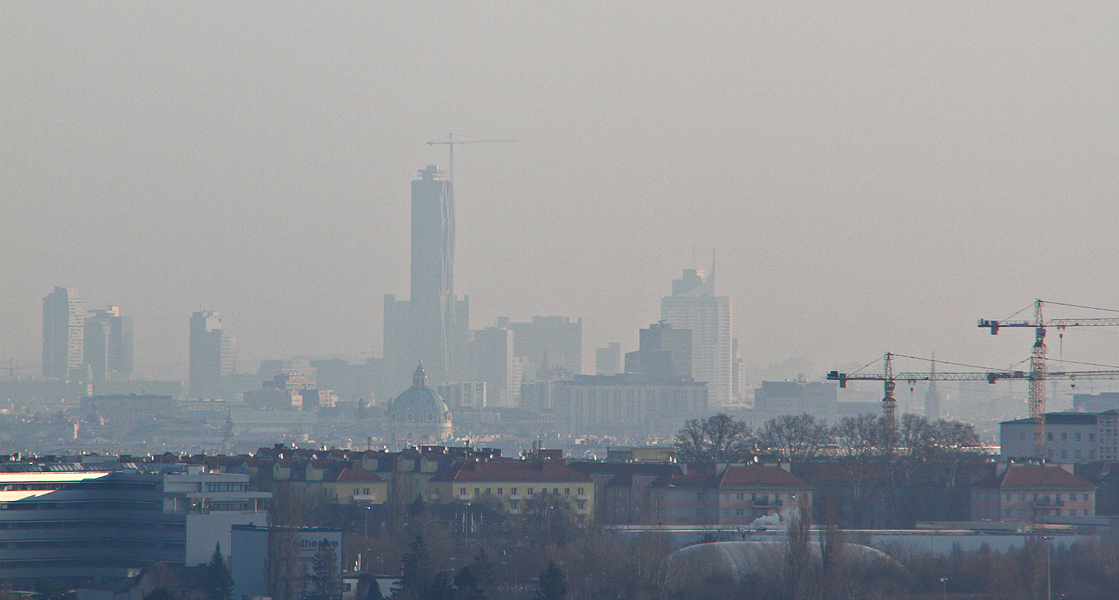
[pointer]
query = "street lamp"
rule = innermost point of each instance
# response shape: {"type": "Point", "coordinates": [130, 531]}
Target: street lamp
{"type": "Point", "coordinates": [943, 588]}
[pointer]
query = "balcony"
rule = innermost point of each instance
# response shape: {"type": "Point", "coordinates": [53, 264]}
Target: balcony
{"type": "Point", "coordinates": [515, 497]}
{"type": "Point", "coordinates": [582, 497]}
{"type": "Point", "coordinates": [582, 512]}
{"type": "Point", "coordinates": [464, 497]}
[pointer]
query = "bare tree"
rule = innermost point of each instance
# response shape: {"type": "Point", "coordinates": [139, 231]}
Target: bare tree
{"type": "Point", "coordinates": [798, 557]}
{"type": "Point", "coordinates": [794, 438]}
{"type": "Point", "coordinates": [718, 438]}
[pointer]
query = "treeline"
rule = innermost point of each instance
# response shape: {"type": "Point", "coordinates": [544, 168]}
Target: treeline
{"type": "Point", "coordinates": [876, 472]}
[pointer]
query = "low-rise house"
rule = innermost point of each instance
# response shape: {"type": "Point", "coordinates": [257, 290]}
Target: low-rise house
{"type": "Point", "coordinates": [511, 485]}
{"type": "Point", "coordinates": [1031, 493]}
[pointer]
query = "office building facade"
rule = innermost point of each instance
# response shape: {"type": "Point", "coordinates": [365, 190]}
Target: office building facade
{"type": "Point", "coordinates": [63, 334]}
{"type": "Point", "coordinates": [213, 354]}
{"type": "Point", "coordinates": [693, 305]}
{"type": "Point", "coordinates": [431, 326]}
{"type": "Point", "coordinates": [108, 344]}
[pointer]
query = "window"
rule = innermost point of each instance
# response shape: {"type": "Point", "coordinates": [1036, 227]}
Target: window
{"type": "Point", "coordinates": [1064, 453]}
{"type": "Point", "coordinates": [529, 491]}
{"type": "Point", "coordinates": [1085, 497]}
{"type": "Point", "coordinates": [738, 497]}
{"type": "Point", "coordinates": [1064, 436]}
{"type": "Point", "coordinates": [476, 492]}
{"type": "Point", "coordinates": [582, 505]}
{"type": "Point", "coordinates": [487, 491]}
{"type": "Point", "coordinates": [357, 491]}
{"type": "Point", "coordinates": [513, 491]}
{"type": "Point", "coordinates": [513, 504]}
{"type": "Point", "coordinates": [726, 496]}
{"type": "Point", "coordinates": [1076, 453]}
{"type": "Point", "coordinates": [555, 490]}
{"type": "Point", "coordinates": [366, 491]}
{"type": "Point", "coordinates": [701, 496]}
{"type": "Point", "coordinates": [1050, 436]}
{"type": "Point", "coordinates": [462, 491]}
{"type": "Point", "coordinates": [580, 491]}
{"type": "Point", "coordinates": [1091, 437]}
{"type": "Point", "coordinates": [1078, 437]}
{"type": "Point", "coordinates": [1021, 496]}
{"type": "Point", "coordinates": [566, 491]}
{"type": "Point", "coordinates": [738, 512]}
{"type": "Point", "coordinates": [498, 491]}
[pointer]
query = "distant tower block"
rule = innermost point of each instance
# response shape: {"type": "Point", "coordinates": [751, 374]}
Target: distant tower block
{"type": "Point", "coordinates": [693, 305]}
{"type": "Point", "coordinates": [212, 354]}
{"type": "Point", "coordinates": [63, 334]}
{"type": "Point", "coordinates": [608, 360]}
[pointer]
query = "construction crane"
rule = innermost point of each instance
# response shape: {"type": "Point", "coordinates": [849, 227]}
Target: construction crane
{"type": "Point", "coordinates": [1038, 367]}
{"type": "Point", "coordinates": [450, 143]}
{"type": "Point", "coordinates": [889, 380]}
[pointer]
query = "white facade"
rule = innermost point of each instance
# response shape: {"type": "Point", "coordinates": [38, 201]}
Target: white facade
{"type": "Point", "coordinates": [213, 503]}
{"type": "Point", "coordinates": [694, 306]}
{"type": "Point", "coordinates": [1069, 437]}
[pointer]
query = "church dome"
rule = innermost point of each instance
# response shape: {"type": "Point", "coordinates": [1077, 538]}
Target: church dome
{"type": "Point", "coordinates": [419, 403]}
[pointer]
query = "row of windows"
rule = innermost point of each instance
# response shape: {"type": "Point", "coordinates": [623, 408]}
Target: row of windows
{"type": "Point", "coordinates": [1064, 436]}
{"type": "Point", "coordinates": [513, 491]}
{"type": "Point", "coordinates": [92, 524]}
{"type": "Point", "coordinates": [83, 505]}
{"type": "Point", "coordinates": [1056, 513]}
{"type": "Point", "coordinates": [92, 543]}
{"type": "Point", "coordinates": [227, 487]}
{"type": "Point", "coordinates": [1045, 497]}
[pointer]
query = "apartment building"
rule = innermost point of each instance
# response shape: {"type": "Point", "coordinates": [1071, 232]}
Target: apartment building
{"type": "Point", "coordinates": [1032, 493]}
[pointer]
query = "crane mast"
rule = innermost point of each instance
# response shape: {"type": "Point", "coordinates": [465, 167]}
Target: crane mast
{"type": "Point", "coordinates": [1038, 368]}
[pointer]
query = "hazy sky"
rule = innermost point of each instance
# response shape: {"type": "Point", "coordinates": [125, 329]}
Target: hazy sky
{"type": "Point", "coordinates": [874, 175]}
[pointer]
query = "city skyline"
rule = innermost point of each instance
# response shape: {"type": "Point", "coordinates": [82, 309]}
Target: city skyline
{"type": "Point", "coordinates": [863, 196]}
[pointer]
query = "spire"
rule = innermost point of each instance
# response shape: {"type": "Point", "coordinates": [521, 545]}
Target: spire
{"type": "Point", "coordinates": [419, 378]}
{"type": "Point", "coordinates": [932, 396]}
{"type": "Point", "coordinates": [711, 276]}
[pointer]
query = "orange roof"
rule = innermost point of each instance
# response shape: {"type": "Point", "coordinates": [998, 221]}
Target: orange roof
{"type": "Point", "coordinates": [512, 470]}
{"type": "Point", "coordinates": [758, 475]}
{"type": "Point", "coordinates": [357, 474]}
{"type": "Point", "coordinates": [1037, 477]}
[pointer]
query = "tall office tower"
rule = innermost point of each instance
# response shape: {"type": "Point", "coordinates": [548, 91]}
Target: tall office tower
{"type": "Point", "coordinates": [108, 344]}
{"type": "Point", "coordinates": [63, 333]}
{"type": "Point", "coordinates": [608, 360]}
{"type": "Point", "coordinates": [430, 327]}
{"type": "Point", "coordinates": [558, 338]}
{"type": "Point", "coordinates": [212, 354]}
{"type": "Point", "coordinates": [665, 352]}
{"type": "Point", "coordinates": [694, 305]}
{"type": "Point", "coordinates": [434, 310]}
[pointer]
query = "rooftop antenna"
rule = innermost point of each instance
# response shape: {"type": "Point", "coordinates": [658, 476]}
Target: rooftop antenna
{"type": "Point", "coordinates": [450, 143]}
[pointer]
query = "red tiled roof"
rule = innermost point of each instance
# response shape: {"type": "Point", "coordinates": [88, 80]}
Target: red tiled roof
{"type": "Point", "coordinates": [1036, 477]}
{"type": "Point", "coordinates": [758, 475]}
{"type": "Point", "coordinates": [356, 474]}
{"type": "Point", "coordinates": [511, 470]}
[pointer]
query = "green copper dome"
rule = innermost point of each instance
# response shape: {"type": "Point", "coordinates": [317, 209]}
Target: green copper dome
{"type": "Point", "coordinates": [419, 403]}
